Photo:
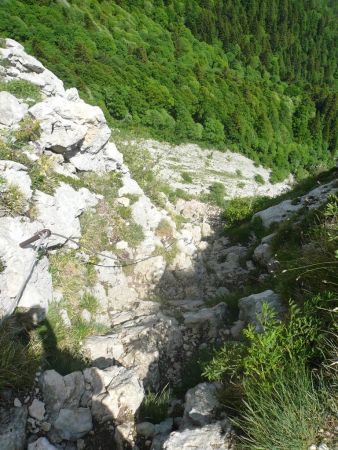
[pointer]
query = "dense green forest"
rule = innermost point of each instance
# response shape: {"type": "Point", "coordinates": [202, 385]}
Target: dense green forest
{"type": "Point", "coordinates": [256, 76]}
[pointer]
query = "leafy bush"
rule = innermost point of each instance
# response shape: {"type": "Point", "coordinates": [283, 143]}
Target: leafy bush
{"type": "Point", "coordinates": [238, 210]}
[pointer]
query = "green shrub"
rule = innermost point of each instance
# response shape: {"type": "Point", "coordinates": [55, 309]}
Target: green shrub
{"type": "Point", "coordinates": [164, 229]}
{"type": "Point", "coordinates": [89, 302]}
{"type": "Point", "coordinates": [238, 210]}
{"type": "Point", "coordinates": [22, 89]}
{"type": "Point", "coordinates": [259, 179]}
{"type": "Point", "coordinates": [12, 200]}
{"type": "Point", "coordinates": [186, 177]}
{"type": "Point", "coordinates": [283, 346]}
{"type": "Point", "coordinates": [42, 175]}
{"type": "Point", "coordinates": [216, 194]}
{"type": "Point", "coordinates": [29, 130]}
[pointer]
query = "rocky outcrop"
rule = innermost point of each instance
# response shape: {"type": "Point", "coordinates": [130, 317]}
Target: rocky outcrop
{"type": "Point", "coordinates": [288, 208]}
{"type": "Point", "coordinates": [150, 345]}
{"type": "Point", "coordinates": [60, 212]}
{"type": "Point", "coordinates": [208, 437]}
{"type": "Point", "coordinates": [72, 402]}
{"type": "Point", "coordinates": [20, 65]}
{"type": "Point", "coordinates": [250, 308]}
{"type": "Point", "coordinates": [11, 109]}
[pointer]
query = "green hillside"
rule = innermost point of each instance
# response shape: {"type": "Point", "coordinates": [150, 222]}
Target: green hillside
{"type": "Point", "coordinates": [257, 76]}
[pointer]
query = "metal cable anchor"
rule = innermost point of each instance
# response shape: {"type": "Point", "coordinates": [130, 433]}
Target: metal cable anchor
{"type": "Point", "coordinates": [45, 233]}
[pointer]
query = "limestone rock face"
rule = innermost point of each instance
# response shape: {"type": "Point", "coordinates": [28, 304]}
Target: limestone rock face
{"type": "Point", "coordinates": [60, 212]}
{"type": "Point", "coordinates": [61, 392]}
{"type": "Point", "coordinates": [263, 252]}
{"type": "Point", "coordinates": [201, 403]}
{"type": "Point", "coordinates": [17, 261]}
{"type": "Point", "coordinates": [11, 110]}
{"type": "Point", "coordinates": [12, 428]}
{"type": "Point", "coordinates": [69, 126]}
{"type": "Point", "coordinates": [117, 393]}
{"type": "Point", "coordinates": [209, 437]}
{"type": "Point", "coordinates": [284, 210]}
{"type": "Point", "coordinates": [250, 308]}
{"type": "Point", "coordinates": [144, 343]}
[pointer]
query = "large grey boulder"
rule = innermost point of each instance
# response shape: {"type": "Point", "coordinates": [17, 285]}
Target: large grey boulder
{"type": "Point", "coordinates": [209, 437]}
{"type": "Point", "coordinates": [12, 428]}
{"type": "Point", "coordinates": [201, 404]}
{"type": "Point", "coordinates": [250, 308]}
{"type": "Point", "coordinates": [72, 424]}
{"type": "Point", "coordinates": [117, 393]}
{"type": "Point", "coordinates": [11, 110]}
{"type": "Point", "coordinates": [17, 262]}
{"type": "Point", "coordinates": [60, 212]}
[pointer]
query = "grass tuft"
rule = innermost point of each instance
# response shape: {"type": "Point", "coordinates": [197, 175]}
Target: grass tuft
{"type": "Point", "coordinates": [155, 405]}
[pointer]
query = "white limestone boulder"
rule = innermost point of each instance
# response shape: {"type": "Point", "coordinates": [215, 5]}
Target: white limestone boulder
{"type": "Point", "coordinates": [61, 392]}
{"type": "Point", "coordinates": [209, 437]}
{"type": "Point", "coordinates": [41, 444]}
{"type": "Point", "coordinates": [70, 127]}
{"type": "Point", "coordinates": [73, 424]}
{"type": "Point", "coordinates": [117, 393]}
{"type": "Point", "coordinates": [207, 322]}
{"type": "Point", "coordinates": [11, 110]}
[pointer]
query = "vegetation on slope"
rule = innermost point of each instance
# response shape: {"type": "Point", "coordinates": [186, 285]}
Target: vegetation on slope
{"type": "Point", "coordinates": [256, 76]}
{"type": "Point", "coordinates": [283, 381]}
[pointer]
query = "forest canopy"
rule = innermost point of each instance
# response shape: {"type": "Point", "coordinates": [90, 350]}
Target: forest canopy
{"type": "Point", "coordinates": [254, 76]}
